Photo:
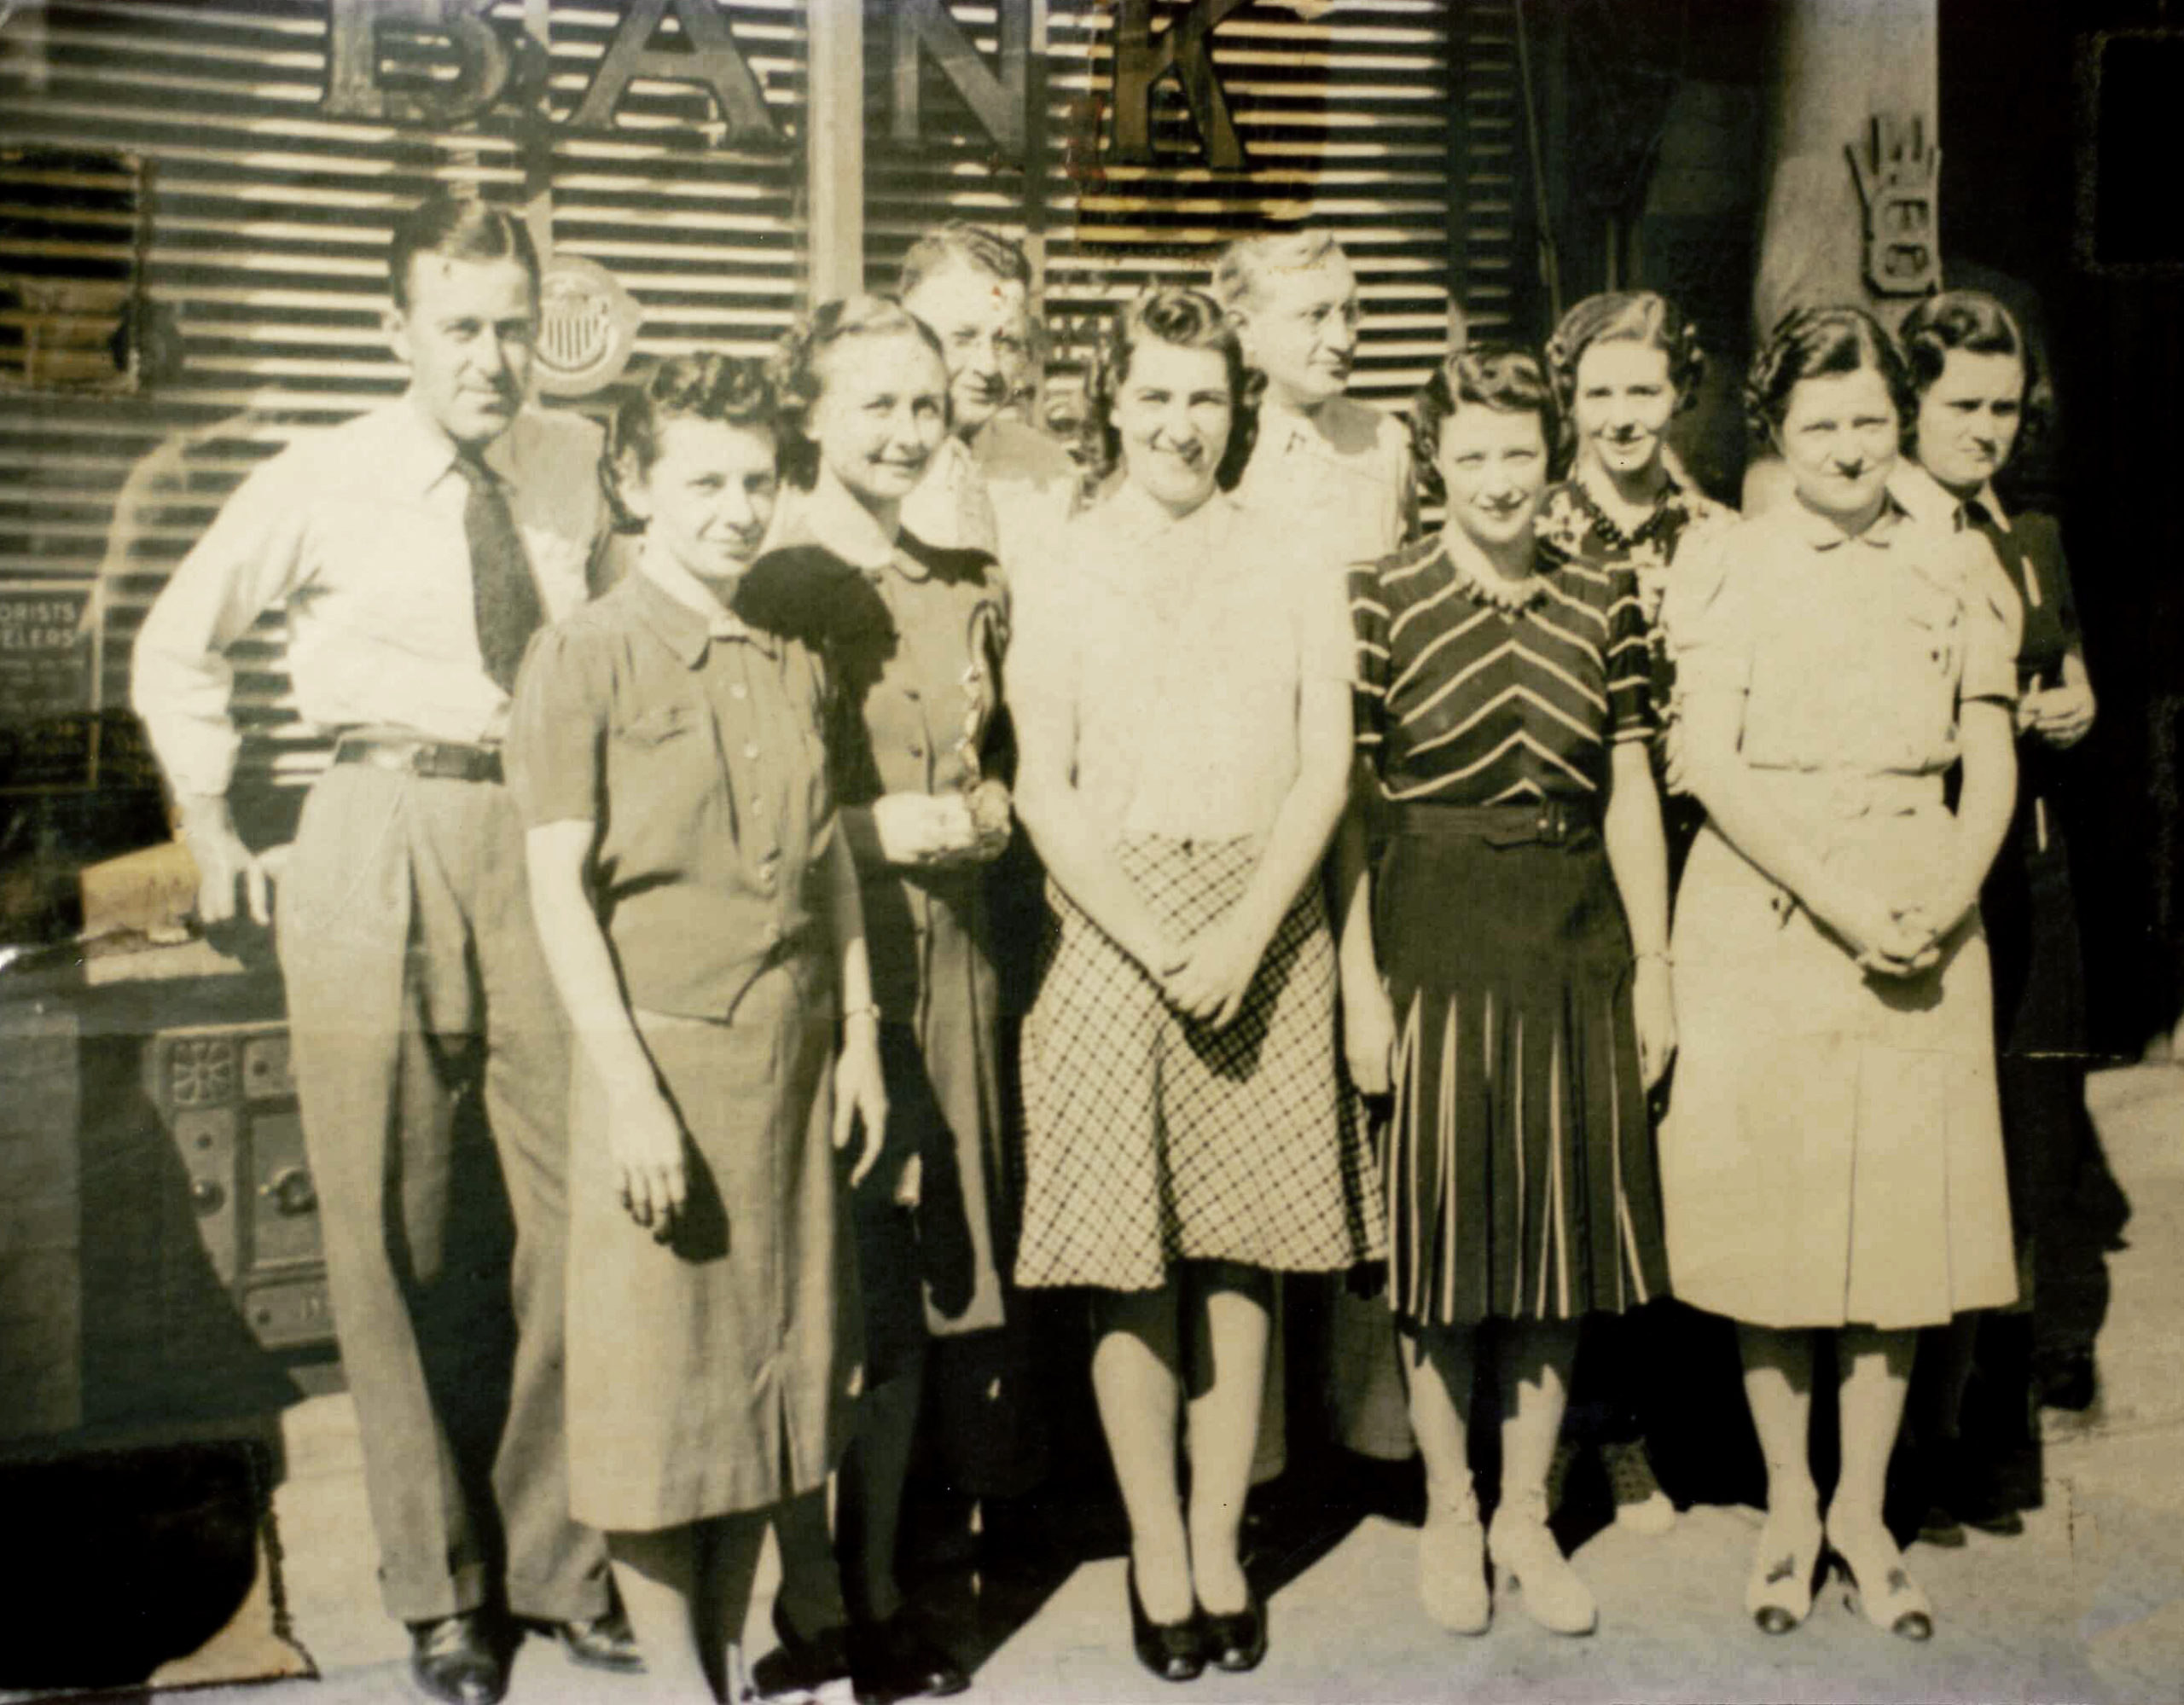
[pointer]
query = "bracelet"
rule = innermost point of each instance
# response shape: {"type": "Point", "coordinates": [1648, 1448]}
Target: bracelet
{"type": "Point", "coordinates": [1661, 954]}
{"type": "Point", "coordinates": [869, 1009]}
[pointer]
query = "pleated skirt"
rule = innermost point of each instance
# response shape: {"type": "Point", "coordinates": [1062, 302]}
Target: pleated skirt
{"type": "Point", "coordinates": [1518, 1161]}
{"type": "Point", "coordinates": [1151, 1138]}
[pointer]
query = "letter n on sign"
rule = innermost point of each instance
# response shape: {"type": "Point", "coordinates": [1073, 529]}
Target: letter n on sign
{"type": "Point", "coordinates": [999, 103]}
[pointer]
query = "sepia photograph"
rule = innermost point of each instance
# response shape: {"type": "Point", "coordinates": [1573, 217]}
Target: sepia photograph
{"type": "Point", "coordinates": [854, 850]}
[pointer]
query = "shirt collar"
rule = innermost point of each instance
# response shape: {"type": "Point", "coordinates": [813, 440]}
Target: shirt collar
{"type": "Point", "coordinates": [1822, 534]}
{"type": "Point", "coordinates": [833, 518]}
{"type": "Point", "coordinates": [1926, 499]}
{"type": "Point", "coordinates": [684, 612]}
{"type": "Point", "coordinates": [1140, 517]}
{"type": "Point", "coordinates": [1986, 499]}
{"type": "Point", "coordinates": [1921, 496]}
{"type": "Point", "coordinates": [421, 455]}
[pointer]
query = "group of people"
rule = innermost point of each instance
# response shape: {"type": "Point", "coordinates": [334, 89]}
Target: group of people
{"type": "Point", "coordinates": [1348, 850]}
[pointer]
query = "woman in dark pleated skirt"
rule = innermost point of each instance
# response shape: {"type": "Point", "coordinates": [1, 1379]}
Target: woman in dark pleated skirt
{"type": "Point", "coordinates": [1503, 707]}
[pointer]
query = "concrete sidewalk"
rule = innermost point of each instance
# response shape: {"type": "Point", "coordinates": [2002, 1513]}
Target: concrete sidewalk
{"type": "Point", "coordinates": [2087, 1604]}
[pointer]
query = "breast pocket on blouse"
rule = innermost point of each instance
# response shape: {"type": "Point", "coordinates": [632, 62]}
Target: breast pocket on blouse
{"type": "Point", "coordinates": [656, 727]}
{"type": "Point", "coordinates": [664, 784]}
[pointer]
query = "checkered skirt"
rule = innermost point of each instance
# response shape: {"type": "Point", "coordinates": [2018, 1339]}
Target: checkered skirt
{"type": "Point", "coordinates": [1151, 1138]}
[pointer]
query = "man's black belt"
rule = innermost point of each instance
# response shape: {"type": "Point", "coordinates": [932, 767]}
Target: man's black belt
{"type": "Point", "coordinates": [434, 760]}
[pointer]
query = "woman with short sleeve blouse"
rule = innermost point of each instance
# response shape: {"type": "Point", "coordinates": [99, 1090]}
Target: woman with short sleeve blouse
{"type": "Point", "coordinates": [1490, 980]}
{"type": "Point", "coordinates": [699, 917]}
{"type": "Point", "coordinates": [1181, 695]}
{"type": "Point", "coordinates": [1832, 1157]}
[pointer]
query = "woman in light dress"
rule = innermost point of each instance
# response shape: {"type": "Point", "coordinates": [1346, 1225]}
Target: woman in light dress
{"type": "Point", "coordinates": [1831, 1158]}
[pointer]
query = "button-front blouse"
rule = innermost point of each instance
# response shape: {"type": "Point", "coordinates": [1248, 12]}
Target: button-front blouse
{"type": "Point", "coordinates": [1177, 650]}
{"type": "Point", "coordinates": [1850, 654]}
{"type": "Point", "coordinates": [913, 635]}
{"type": "Point", "coordinates": [692, 743]}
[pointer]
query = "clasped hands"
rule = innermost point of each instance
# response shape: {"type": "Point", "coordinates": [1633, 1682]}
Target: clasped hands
{"type": "Point", "coordinates": [1207, 978]}
{"type": "Point", "coordinates": [1893, 940]}
{"type": "Point", "coordinates": [937, 831]}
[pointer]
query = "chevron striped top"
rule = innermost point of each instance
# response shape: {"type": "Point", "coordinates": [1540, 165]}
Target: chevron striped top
{"type": "Point", "coordinates": [1461, 704]}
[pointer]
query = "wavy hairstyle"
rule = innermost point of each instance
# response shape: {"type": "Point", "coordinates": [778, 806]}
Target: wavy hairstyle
{"type": "Point", "coordinates": [735, 390]}
{"type": "Point", "coordinates": [1639, 317]}
{"type": "Point", "coordinates": [1979, 324]}
{"type": "Point", "coordinates": [807, 350]}
{"type": "Point", "coordinates": [1822, 343]}
{"type": "Point", "coordinates": [1506, 378]}
{"type": "Point", "coordinates": [1186, 319]}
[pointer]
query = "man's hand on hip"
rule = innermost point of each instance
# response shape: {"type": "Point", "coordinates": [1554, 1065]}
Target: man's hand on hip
{"type": "Point", "coordinates": [209, 832]}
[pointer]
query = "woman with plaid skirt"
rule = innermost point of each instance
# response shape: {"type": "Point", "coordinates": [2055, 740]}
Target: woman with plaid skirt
{"type": "Point", "coordinates": [1181, 688]}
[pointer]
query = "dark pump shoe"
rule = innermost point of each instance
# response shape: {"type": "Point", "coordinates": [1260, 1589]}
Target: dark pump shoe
{"type": "Point", "coordinates": [1236, 1641]}
{"type": "Point", "coordinates": [805, 1664]}
{"type": "Point", "coordinates": [892, 1660]}
{"type": "Point", "coordinates": [601, 1643]}
{"type": "Point", "coordinates": [1174, 1652]}
{"type": "Point", "coordinates": [455, 1661]}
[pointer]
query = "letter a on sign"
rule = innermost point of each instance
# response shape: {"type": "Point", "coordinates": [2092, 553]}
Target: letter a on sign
{"type": "Point", "coordinates": [710, 59]}
{"type": "Point", "coordinates": [1184, 48]}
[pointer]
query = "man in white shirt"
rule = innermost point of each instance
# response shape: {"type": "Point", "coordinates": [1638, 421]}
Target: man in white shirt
{"type": "Point", "coordinates": [996, 485]}
{"type": "Point", "coordinates": [416, 549]}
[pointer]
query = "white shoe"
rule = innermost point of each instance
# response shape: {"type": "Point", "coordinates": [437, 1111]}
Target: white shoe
{"type": "Point", "coordinates": [1525, 1551]}
{"type": "Point", "coordinates": [1452, 1566]}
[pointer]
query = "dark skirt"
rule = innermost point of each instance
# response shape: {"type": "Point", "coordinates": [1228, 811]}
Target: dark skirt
{"type": "Point", "coordinates": [1519, 1161]}
{"type": "Point", "coordinates": [2040, 1022]}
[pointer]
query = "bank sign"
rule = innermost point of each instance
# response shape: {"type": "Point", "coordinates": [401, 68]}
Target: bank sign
{"type": "Point", "coordinates": [505, 70]}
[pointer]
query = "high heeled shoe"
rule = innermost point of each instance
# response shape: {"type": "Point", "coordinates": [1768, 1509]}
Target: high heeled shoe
{"type": "Point", "coordinates": [1877, 1583]}
{"type": "Point", "coordinates": [1235, 1640]}
{"type": "Point", "coordinates": [1784, 1574]}
{"type": "Point", "coordinates": [1174, 1652]}
{"type": "Point", "coordinates": [1525, 1550]}
{"type": "Point", "coordinates": [1452, 1566]}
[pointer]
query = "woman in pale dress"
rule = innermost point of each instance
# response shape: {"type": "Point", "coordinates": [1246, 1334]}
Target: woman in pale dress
{"type": "Point", "coordinates": [1831, 1158]}
{"type": "Point", "coordinates": [1181, 687]}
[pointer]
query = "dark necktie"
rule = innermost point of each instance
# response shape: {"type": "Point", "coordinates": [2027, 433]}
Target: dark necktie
{"type": "Point", "coordinates": [502, 594]}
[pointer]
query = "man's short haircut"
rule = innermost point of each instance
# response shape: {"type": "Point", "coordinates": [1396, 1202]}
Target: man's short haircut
{"type": "Point", "coordinates": [960, 244]}
{"type": "Point", "coordinates": [458, 225]}
{"type": "Point", "coordinates": [1245, 263]}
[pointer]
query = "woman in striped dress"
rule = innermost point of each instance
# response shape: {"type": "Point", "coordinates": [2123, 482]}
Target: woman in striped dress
{"type": "Point", "coordinates": [1503, 703]}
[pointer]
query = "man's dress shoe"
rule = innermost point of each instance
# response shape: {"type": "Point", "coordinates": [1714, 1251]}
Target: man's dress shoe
{"type": "Point", "coordinates": [455, 1661]}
